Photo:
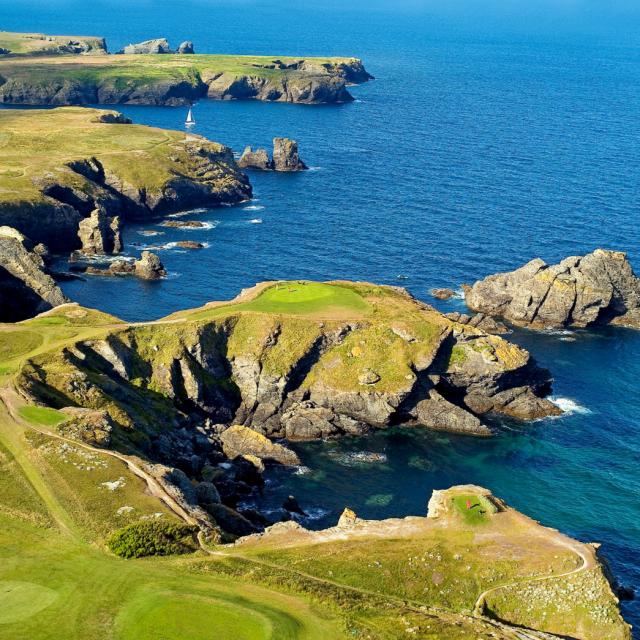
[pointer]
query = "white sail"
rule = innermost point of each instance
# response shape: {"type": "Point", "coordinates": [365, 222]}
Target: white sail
{"type": "Point", "coordinates": [190, 119]}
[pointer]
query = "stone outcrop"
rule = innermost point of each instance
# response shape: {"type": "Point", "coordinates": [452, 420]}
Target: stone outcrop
{"type": "Point", "coordinates": [149, 267]}
{"type": "Point", "coordinates": [239, 441]}
{"type": "Point", "coordinates": [481, 321]}
{"type": "Point", "coordinates": [185, 47]}
{"type": "Point", "coordinates": [92, 426]}
{"type": "Point", "coordinates": [258, 159]}
{"type": "Point", "coordinates": [443, 294]}
{"type": "Point", "coordinates": [595, 289]}
{"type": "Point", "coordinates": [100, 233]}
{"type": "Point", "coordinates": [157, 45]}
{"type": "Point", "coordinates": [25, 287]}
{"type": "Point", "coordinates": [285, 157]}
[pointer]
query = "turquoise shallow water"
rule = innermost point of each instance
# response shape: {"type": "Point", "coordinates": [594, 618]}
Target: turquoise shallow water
{"type": "Point", "coordinates": [490, 136]}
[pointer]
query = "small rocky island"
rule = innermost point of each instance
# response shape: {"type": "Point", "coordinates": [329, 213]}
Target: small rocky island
{"type": "Point", "coordinates": [581, 291]}
{"type": "Point", "coordinates": [285, 157]}
{"type": "Point", "coordinates": [31, 73]}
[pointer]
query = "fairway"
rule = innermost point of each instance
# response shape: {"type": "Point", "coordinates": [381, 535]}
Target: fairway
{"type": "Point", "coordinates": [42, 416]}
{"type": "Point", "coordinates": [14, 344]}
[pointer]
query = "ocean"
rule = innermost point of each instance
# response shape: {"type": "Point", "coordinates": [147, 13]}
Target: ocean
{"type": "Point", "coordinates": [490, 136]}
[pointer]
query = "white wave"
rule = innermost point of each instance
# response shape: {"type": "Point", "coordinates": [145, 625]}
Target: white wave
{"type": "Point", "coordinates": [254, 207]}
{"type": "Point", "coordinates": [315, 169]}
{"type": "Point", "coordinates": [359, 457]}
{"type": "Point", "coordinates": [180, 214]}
{"type": "Point", "coordinates": [150, 232]}
{"type": "Point", "coordinates": [301, 470]}
{"type": "Point", "coordinates": [256, 221]}
{"type": "Point", "coordinates": [458, 294]}
{"type": "Point", "coordinates": [560, 332]}
{"type": "Point", "coordinates": [316, 513]}
{"type": "Point", "coordinates": [569, 406]}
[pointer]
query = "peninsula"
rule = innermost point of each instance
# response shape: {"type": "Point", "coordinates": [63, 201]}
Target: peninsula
{"type": "Point", "coordinates": [62, 76]}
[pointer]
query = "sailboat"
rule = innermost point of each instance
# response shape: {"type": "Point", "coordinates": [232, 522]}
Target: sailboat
{"type": "Point", "coordinates": [190, 121]}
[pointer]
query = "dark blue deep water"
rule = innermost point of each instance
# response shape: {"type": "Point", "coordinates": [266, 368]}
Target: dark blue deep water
{"type": "Point", "coordinates": [494, 132]}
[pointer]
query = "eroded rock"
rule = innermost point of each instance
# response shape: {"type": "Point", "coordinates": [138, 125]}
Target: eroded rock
{"type": "Point", "coordinates": [595, 289]}
{"type": "Point", "coordinates": [239, 441]}
{"type": "Point", "coordinates": [100, 233]}
{"type": "Point", "coordinates": [258, 159]}
{"type": "Point", "coordinates": [286, 156]}
{"type": "Point", "coordinates": [157, 45]}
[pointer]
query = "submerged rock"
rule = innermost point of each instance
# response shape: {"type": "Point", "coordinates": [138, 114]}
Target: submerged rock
{"type": "Point", "coordinates": [595, 289]}
{"type": "Point", "coordinates": [26, 289]}
{"type": "Point", "coordinates": [183, 224]}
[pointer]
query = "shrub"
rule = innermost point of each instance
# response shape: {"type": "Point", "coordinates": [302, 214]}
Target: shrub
{"type": "Point", "coordinates": [153, 538]}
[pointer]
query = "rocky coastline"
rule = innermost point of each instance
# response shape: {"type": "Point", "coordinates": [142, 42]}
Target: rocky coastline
{"type": "Point", "coordinates": [151, 73]}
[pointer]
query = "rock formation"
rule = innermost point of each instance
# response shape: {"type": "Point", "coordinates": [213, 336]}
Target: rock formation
{"type": "Point", "coordinates": [185, 47]}
{"type": "Point", "coordinates": [285, 157]}
{"type": "Point", "coordinates": [595, 289]}
{"type": "Point", "coordinates": [481, 321]}
{"type": "Point", "coordinates": [149, 267]}
{"type": "Point", "coordinates": [239, 441]}
{"type": "Point", "coordinates": [297, 378]}
{"type": "Point", "coordinates": [100, 233]}
{"type": "Point", "coordinates": [25, 287]}
{"type": "Point", "coordinates": [443, 294]}
{"type": "Point", "coordinates": [157, 45]}
{"type": "Point", "coordinates": [258, 159]}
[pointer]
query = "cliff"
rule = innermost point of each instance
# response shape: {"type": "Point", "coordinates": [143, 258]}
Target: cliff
{"type": "Point", "coordinates": [58, 165]}
{"type": "Point", "coordinates": [297, 360]}
{"type": "Point", "coordinates": [175, 79]}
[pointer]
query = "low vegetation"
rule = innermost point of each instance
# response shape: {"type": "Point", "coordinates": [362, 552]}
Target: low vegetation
{"type": "Point", "coordinates": [153, 538]}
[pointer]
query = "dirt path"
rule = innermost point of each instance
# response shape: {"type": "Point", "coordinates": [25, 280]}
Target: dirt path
{"type": "Point", "coordinates": [557, 538]}
{"type": "Point", "coordinates": [13, 402]}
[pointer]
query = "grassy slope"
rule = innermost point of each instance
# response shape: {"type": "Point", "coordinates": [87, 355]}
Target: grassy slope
{"type": "Point", "coordinates": [67, 586]}
{"type": "Point", "coordinates": [35, 143]}
{"type": "Point", "coordinates": [39, 43]}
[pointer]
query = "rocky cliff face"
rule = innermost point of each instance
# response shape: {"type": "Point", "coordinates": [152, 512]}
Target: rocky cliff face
{"type": "Point", "coordinates": [285, 157]}
{"type": "Point", "coordinates": [296, 377]}
{"type": "Point", "coordinates": [25, 287]}
{"type": "Point", "coordinates": [595, 289]}
{"type": "Point", "coordinates": [54, 199]}
{"type": "Point", "coordinates": [117, 81]}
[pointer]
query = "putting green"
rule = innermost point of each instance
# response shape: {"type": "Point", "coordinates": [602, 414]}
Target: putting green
{"type": "Point", "coordinates": [21, 600]}
{"type": "Point", "coordinates": [175, 616]}
{"type": "Point", "coordinates": [473, 509]}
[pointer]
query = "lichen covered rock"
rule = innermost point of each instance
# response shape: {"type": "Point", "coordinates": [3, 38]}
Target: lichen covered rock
{"type": "Point", "coordinates": [595, 289]}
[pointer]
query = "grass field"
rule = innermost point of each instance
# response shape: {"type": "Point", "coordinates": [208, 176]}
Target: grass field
{"type": "Point", "coordinates": [42, 416]}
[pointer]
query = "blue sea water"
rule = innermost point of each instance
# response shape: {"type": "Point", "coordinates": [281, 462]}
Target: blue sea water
{"type": "Point", "coordinates": [493, 133]}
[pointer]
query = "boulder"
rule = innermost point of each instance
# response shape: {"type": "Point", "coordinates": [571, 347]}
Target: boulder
{"type": "Point", "coordinates": [185, 47]}
{"type": "Point", "coordinates": [157, 45]}
{"type": "Point", "coordinates": [443, 294]}
{"type": "Point", "coordinates": [239, 441]}
{"type": "Point", "coordinates": [100, 233]}
{"type": "Point", "coordinates": [149, 267]}
{"type": "Point", "coordinates": [292, 506]}
{"type": "Point", "coordinates": [258, 159]}
{"type": "Point", "coordinates": [26, 289]}
{"type": "Point", "coordinates": [441, 415]}
{"type": "Point", "coordinates": [93, 426]}
{"type": "Point", "coordinates": [189, 244]}
{"type": "Point", "coordinates": [230, 520]}
{"type": "Point", "coordinates": [206, 493]}
{"type": "Point", "coordinates": [580, 291]}
{"type": "Point", "coordinates": [480, 321]}
{"type": "Point", "coordinates": [285, 155]}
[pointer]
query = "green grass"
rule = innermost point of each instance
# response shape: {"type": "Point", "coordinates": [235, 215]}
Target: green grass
{"type": "Point", "coordinates": [480, 512]}
{"type": "Point", "coordinates": [294, 298]}
{"type": "Point", "coordinates": [17, 343]}
{"type": "Point", "coordinates": [42, 416]}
